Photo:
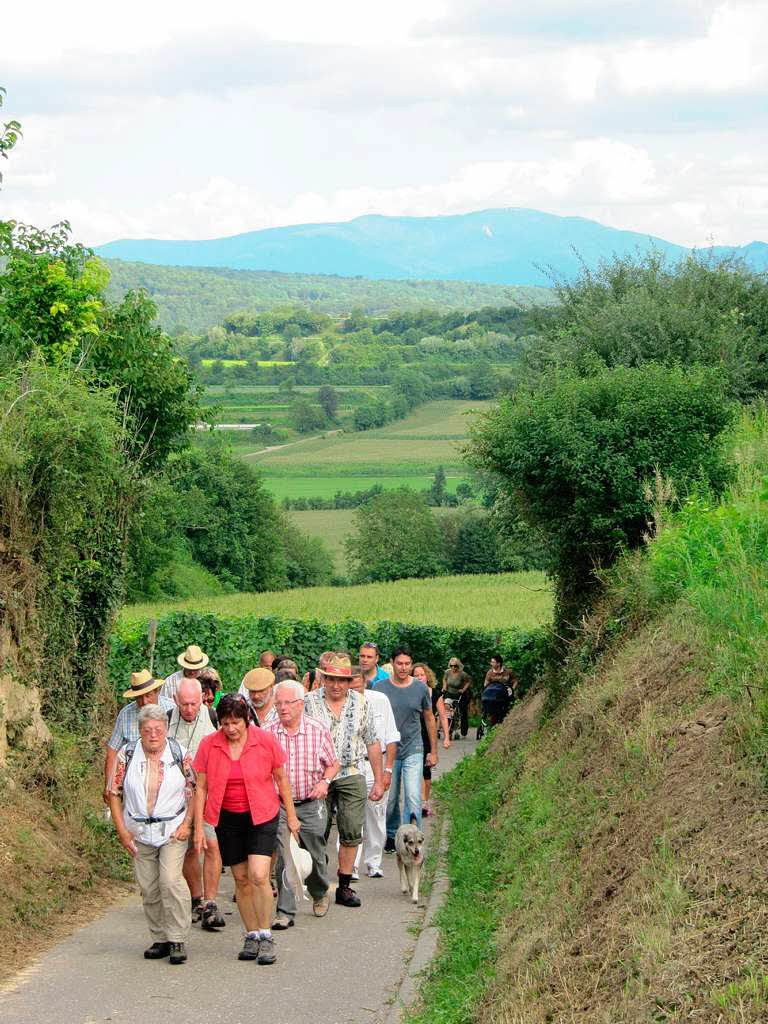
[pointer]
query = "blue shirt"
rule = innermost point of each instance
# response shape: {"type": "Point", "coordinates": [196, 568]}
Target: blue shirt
{"type": "Point", "coordinates": [380, 676]}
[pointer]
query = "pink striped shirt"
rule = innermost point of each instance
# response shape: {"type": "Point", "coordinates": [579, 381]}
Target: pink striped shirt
{"type": "Point", "coordinates": [309, 752]}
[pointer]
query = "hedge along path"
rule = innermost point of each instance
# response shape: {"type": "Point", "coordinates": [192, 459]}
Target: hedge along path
{"type": "Point", "coordinates": [234, 643]}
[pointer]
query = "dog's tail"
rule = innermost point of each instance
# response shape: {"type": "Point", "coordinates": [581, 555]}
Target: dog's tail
{"type": "Point", "coordinates": [414, 819]}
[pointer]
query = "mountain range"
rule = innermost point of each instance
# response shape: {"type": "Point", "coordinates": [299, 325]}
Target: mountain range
{"type": "Point", "coordinates": [504, 246]}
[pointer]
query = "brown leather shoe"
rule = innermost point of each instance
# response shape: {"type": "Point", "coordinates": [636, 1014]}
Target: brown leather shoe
{"type": "Point", "coordinates": [320, 907]}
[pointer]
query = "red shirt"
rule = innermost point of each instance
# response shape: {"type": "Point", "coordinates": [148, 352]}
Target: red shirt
{"type": "Point", "coordinates": [235, 795]}
{"type": "Point", "coordinates": [260, 756]}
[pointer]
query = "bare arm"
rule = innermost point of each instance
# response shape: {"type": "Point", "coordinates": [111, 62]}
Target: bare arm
{"type": "Point", "coordinates": [442, 714]}
{"type": "Point", "coordinates": [429, 721]}
{"type": "Point", "coordinates": [374, 757]}
{"type": "Point", "coordinates": [109, 771]}
{"type": "Point", "coordinates": [201, 794]}
{"type": "Point", "coordinates": [125, 837]}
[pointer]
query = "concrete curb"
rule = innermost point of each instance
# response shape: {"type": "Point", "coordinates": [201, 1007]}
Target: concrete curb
{"type": "Point", "coordinates": [426, 944]}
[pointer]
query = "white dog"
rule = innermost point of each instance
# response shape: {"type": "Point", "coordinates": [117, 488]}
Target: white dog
{"type": "Point", "coordinates": [408, 843]}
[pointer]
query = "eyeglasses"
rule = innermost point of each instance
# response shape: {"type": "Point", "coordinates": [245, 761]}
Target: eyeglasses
{"type": "Point", "coordinates": [285, 703]}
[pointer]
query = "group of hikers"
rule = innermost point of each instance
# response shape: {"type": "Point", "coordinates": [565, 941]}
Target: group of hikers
{"type": "Point", "coordinates": [197, 780]}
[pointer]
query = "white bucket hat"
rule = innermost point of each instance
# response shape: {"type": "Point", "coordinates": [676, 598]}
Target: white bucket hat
{"type": "Point", "coordinates": [298, 868]}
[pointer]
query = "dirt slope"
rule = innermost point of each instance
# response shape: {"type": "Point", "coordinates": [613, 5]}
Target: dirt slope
{"type": "Point", "coordinates": [647, 899]}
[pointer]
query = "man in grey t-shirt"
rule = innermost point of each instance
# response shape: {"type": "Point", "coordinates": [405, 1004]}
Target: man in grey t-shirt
{"type": "Point", "coordinates": [410, 700]}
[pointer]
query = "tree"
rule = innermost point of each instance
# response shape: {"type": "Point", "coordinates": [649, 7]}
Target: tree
{"type": "Point", "coordinates": [132, 353]}
{"type": "Point", "coordinates": [307, 417]}
{"type": "Point", "coordinates": [307, 559]}
{"type": "Point", "coordinates": [230, 521]}
{"type": "Point", "coordinates": [573, 454]}
{"type": "Point", "coordinates": [641, 309]}
{"type": "Point", "coordinates": [328, 400]}
{"type": "Point", "coordinates": [396, 536]}
{"type": "Point", "coordinates": [437, 492]}
{"type": "Point", "coordinates": [10, 133]}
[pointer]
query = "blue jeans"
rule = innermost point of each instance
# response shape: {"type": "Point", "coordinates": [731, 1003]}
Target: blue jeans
{"type": "Point", "coordinates": [408, 771]}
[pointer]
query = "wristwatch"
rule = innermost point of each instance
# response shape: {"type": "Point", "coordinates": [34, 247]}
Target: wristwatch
{"type": "Point", "coordinates": [388, 771]}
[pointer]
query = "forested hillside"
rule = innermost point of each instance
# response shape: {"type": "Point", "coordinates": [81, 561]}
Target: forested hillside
{"type": "Point", "coordinates": [199, 297]}
{"type": "Point", "coordinates": [505, 246]}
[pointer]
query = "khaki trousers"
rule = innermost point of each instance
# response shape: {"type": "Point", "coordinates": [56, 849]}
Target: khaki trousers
{"type": "Point", "coordinates": [167, 903]}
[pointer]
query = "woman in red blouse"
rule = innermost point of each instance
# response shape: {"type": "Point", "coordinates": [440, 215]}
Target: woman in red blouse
{"type": "Point", "coordinates": [239, 776]}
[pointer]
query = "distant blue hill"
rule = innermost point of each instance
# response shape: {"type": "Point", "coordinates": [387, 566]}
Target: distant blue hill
{"type": "Point", "coordinates": [509, 246]}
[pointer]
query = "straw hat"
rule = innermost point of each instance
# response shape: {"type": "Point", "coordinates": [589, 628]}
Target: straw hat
{"type": "Point", "coordinates": [258, 679]}
{"type": "Point", "coordinates": [298, 868]}
{"type": "Point", "coordinates": [141, 682]}
{"type": "Point", "coordinates": [336, 666]}
{"type": "Point", "coordinates": [193, 657]}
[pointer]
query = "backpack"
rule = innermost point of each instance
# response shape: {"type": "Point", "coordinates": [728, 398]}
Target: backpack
{"type": "Point", "coordinates": [178, 756]}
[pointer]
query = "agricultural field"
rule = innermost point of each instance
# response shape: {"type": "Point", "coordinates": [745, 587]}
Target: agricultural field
{"type": "Point", "coordinates": [406, 452]}
{"type": "Point", "coordinates": [503, 601]}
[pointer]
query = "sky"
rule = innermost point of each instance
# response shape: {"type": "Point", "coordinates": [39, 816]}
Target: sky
{"type": "Point", "coordinates": [165, 119]}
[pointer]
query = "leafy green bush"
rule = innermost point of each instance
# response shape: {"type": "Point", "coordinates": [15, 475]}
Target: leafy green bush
{"type": "Point", "coordinates": [641, 309]}
{"type": "Point", "coordinates": [235, 643]}
{"type": "Point", "coordinates": [573, 456]}
{"type": "Point", "coordinates": [396, 537]}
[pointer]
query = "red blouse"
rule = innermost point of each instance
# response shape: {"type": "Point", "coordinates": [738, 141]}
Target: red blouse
{"type": "Point", "coordinates": [260, 756]}
{"type": "Point", "coordinates": [235, 796]}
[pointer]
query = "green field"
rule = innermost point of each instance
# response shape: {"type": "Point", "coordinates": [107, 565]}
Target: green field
{"type": "Point", "coordinates": [404, 453]}
{"type": "Point", "coordinates": [504, 601]}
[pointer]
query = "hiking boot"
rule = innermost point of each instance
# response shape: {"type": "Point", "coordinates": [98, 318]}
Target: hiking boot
{"type": "Point", "coordinates": [282, 922]}
{"type": "Point", "coordinates": [211, 919]}
{"type": "Point", "coordinates": [347, 897]}
{"type": "Point", "coordinates": [157, 951]}
{"type": "Point", "coordinates": [321, 905]}
{"type": "Point", "coordinates": [197, 908]}
{"type": "Point", "coordinates": [250, 950]}
{"type": "Point", "coordinates": [267, 954]}
{"type": "Point", "coordinates": [178, 953]}
{"type": "Point", "coordinates": [389, 846]}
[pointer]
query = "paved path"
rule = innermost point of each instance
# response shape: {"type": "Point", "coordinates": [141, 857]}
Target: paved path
{"type": "Point", "coordinates": [342, 969]}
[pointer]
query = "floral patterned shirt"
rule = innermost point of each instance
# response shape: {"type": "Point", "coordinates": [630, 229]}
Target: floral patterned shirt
{"type": "Point", "coordinates": [352, 732]}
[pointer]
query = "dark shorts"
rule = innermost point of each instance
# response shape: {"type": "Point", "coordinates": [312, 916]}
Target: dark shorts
{"type": "Point", "coordinates": [239, 838]}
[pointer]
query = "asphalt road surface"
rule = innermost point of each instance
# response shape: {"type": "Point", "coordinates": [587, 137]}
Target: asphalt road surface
{"type": "Point", "coordinates": [341, 969]}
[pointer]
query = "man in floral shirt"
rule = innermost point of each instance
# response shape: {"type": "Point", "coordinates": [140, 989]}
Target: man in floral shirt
{"type": "Point", "coordinates": [348, 717]}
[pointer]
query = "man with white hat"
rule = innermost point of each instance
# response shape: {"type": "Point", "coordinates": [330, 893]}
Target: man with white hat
{"type": "Point", "coordinates": [258, 684]}
{"type": "Point", "coordinates": [142, 691]}
{"type": "Point", "coordinates": [192, 661]}
{"type": "Point", "coordinates": [311, 765]}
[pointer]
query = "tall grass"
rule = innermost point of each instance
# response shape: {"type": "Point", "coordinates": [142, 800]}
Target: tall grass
{"type": "Point", "coordinates": [714, 558]}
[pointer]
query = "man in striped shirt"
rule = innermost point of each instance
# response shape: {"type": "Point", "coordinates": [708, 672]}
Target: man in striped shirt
{"type": "Point", "coordinates": [311, 765]}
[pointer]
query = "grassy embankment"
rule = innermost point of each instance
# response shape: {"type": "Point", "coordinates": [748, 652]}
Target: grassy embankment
{"type": "Point", "coordinates": [610, 866]}
{"type": "Point", "coordinates": [488, 602]}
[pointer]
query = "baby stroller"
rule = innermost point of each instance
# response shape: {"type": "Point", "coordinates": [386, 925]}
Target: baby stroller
{"type": "Point", "coordinates": [495, 702]}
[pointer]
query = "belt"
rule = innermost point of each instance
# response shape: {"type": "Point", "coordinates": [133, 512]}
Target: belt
{"type": "Point", "coordinates": [309, 800]}
{"type": "Point", "coordinates": [156, 821]}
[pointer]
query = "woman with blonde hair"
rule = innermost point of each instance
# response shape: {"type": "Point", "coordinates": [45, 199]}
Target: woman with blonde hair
{"type": "Point", "coordinates": [424, 673]}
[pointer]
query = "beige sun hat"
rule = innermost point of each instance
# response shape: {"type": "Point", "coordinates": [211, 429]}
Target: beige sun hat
{"type": "Point", "coordinates": [141, 683]}
{"type": "Point", "coordinates": [336, 666]}
{"type": "Point", "coordinates": [192, 658]}
{"type": "Point", "coordinates": [258, 679]}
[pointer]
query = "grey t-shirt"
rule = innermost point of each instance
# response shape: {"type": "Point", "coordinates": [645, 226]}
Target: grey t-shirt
{"type": "Point", "coordinates": [408, 703]}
